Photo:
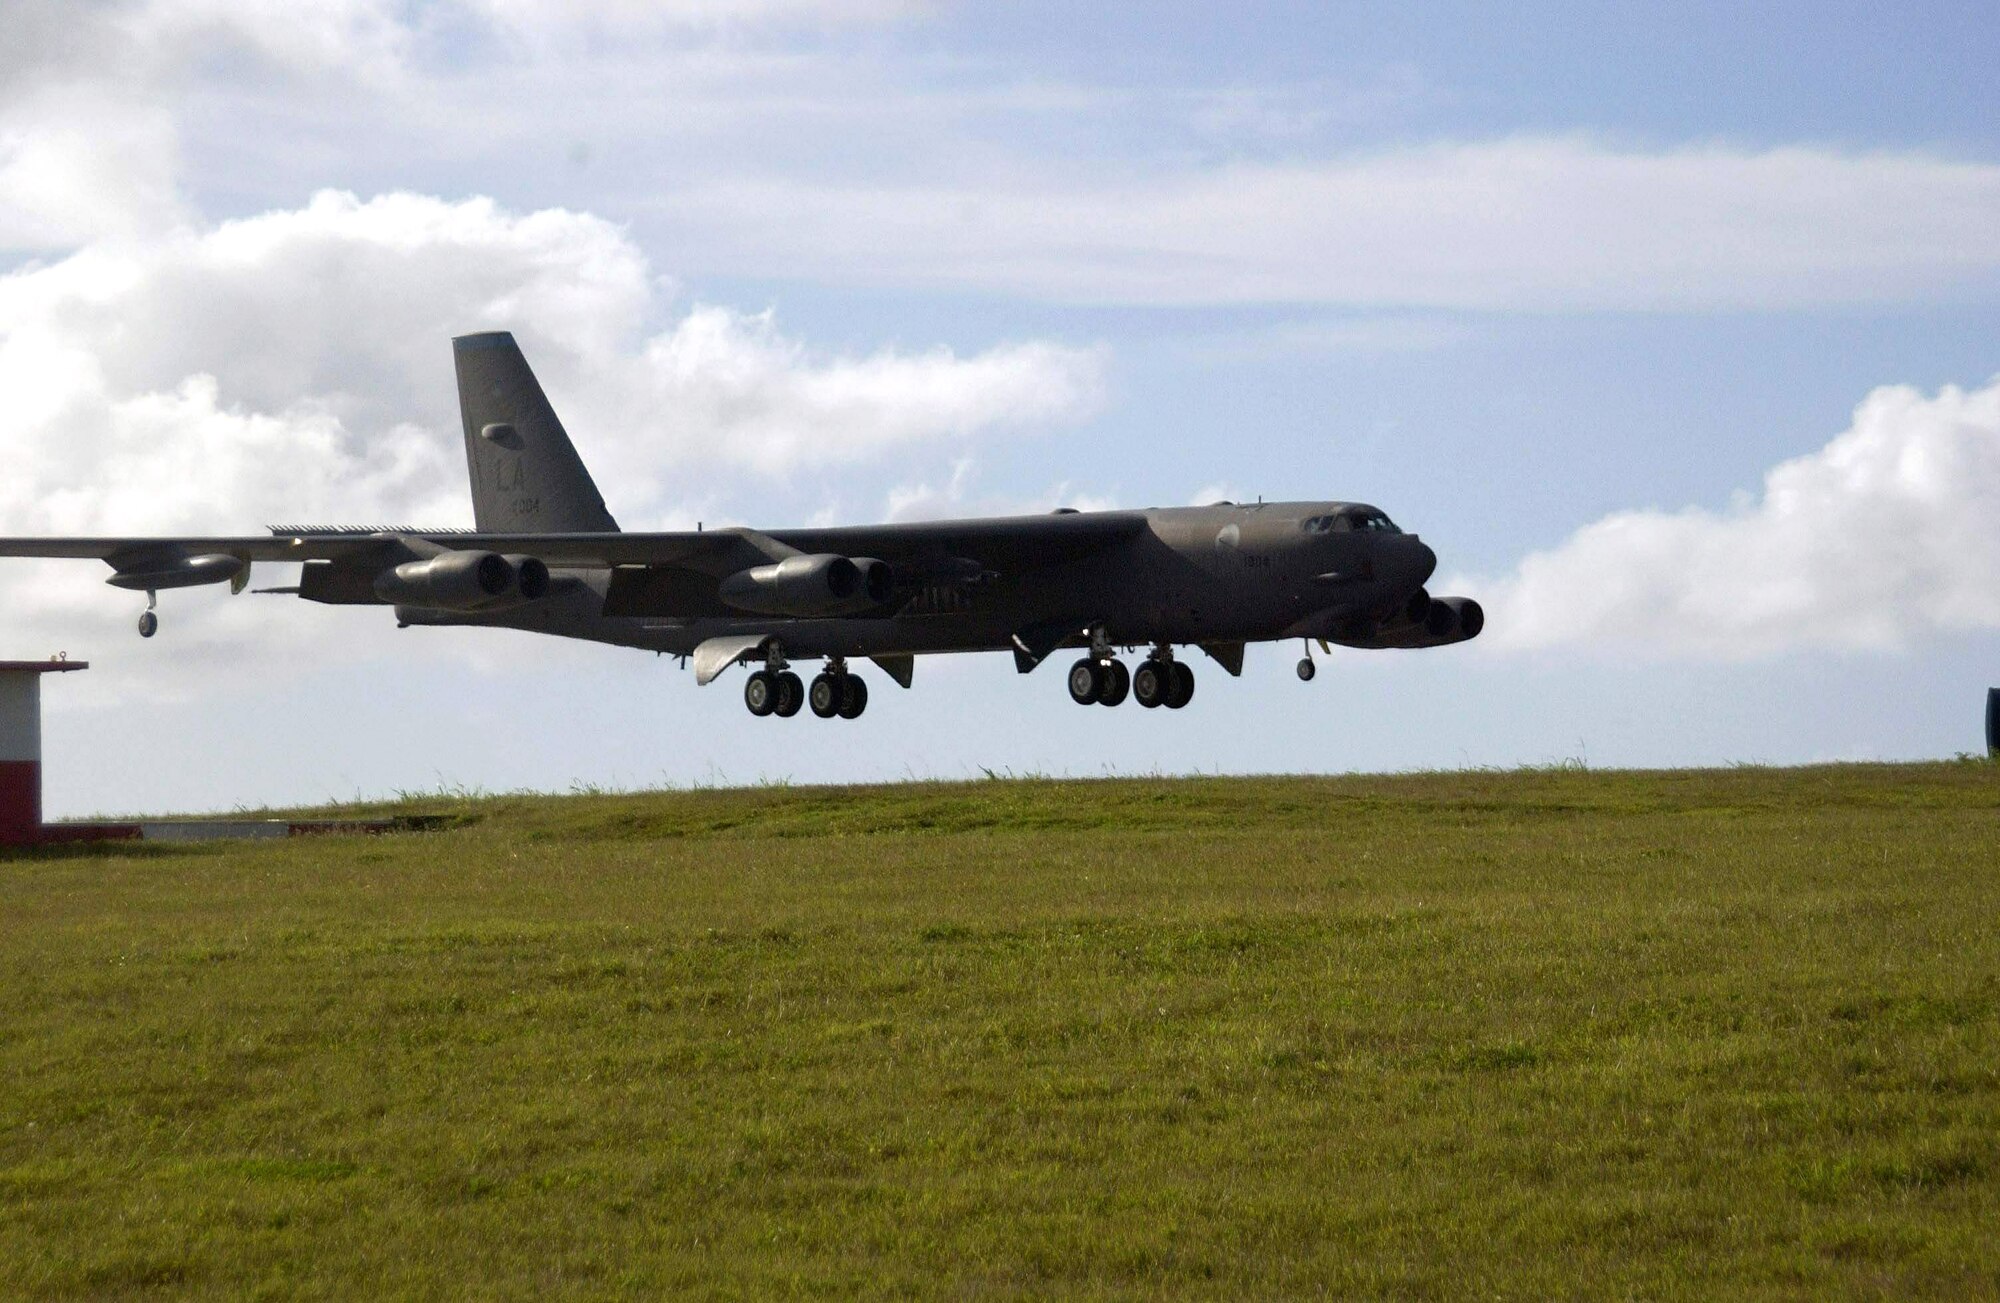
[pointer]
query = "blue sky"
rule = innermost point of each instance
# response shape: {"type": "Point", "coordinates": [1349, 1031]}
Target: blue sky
{"type": "Point", "coordinates": [1557, 286]}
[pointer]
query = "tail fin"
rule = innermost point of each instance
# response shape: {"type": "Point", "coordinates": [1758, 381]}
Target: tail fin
{"type": "Point", "coordinates": [526, 476]}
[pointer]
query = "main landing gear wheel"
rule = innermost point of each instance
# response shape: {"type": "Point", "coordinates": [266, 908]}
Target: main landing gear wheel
{"type": "Point", "coordinates": [791, 695]}
{"type": "Point", "coordinates": [1183, 691]}
{"type": "Point", "coordinates": [1117, 684]}
{"type": "Point", "coordinates": [825, 695]}
{"type": "Point", "coordinates": [1151, 683]}
{"type": "Point", "coordinates": [149, 624]}
{"type": "Point", "coordinates": [1307, 669]}
{"type": "Point", "coordinates": [853, 697]}
{"type": "Point", "coordinates": [1086, 681]}
{"type": "Point", "coordinates": [760, 693]}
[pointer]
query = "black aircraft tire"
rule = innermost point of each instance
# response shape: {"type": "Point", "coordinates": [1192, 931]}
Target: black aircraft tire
{"type": "Point", "coordinates": [1150, 684]}
{"type": "Point", "coordinates": [825, 695]}
{"type": "Point", "coordinates": [791, 695]}
{"type": "Point", "coordinates": [149, 624]}
{"type": "Point", "coordinates": [1086, 681]}
{"type": "Point", "coordinates": [760, 693]}
{"type": "Point", "coordinates": [1306, 670]}
{"type": "Point", "coordinates": [853, 697]}
{"type": "Point", "coordinates": [1117, 684]}
{"type": "Point", "coordinates": [1183, 686]}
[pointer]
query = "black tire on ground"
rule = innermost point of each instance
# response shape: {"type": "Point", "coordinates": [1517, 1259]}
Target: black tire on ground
{"type": "Point", "coordinates": [791, 695]}
{"type": "Point", "coordinates": [760, 693]}
{"type": "Point", "coordinates": [853, 696]}
{"type": "Point", "coordinates": [1183, 686]}
{"type": "Point", "coordinates": [825, 695]}
{"type": "Point", "coordinates": [1086, 680]}
{"type": "Point", "coordinates": [1117, 684]}
{"type": "Point", "coordinates": [1151, 683]}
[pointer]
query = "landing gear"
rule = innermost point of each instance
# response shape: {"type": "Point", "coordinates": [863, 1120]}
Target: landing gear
{"type": "Point", "coordinates": [853, 697]}
{"type": "Point", "coordinates": [149, 623]}
{"type": "Point", "coordinates": [1306, 667]}
{"type": "Point", "coordinates": [835, 692]}
{"type": "Point", "coordinates": [1163, 682]}
{"type": "Point", "coordinates": [791, 695]}
{"type": "Point", "coordinates": [825, 695]}
{"type": "Point", "coordinates": [1152, 683]}
{"type": "Point", "coordinates": [1103, 682]}
{"type": "Point", "coordinates": [1117, 683]}
{"type": "Point", "coordinates": [760, 693]}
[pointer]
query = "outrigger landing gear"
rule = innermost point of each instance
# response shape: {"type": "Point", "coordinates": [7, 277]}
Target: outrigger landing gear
{"type": "Point", "coordinates": [1306, 667]}
{"type": "Point", "coordinates": [149, 623]}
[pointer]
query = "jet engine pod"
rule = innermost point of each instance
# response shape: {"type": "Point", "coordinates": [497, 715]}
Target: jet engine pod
{"type": "Point", "coordinates": [825, 584]}
{"type": "Point", "coordinates": [531, 577]}
{"type": "Point", "coordinates": [1471, 616]}
{"type": "Point", "coordinates": [1441, 619]}
{"type": "Point", "coordinates": [454, 581]}
{"type": "Point", "coordinates": [877, 581]}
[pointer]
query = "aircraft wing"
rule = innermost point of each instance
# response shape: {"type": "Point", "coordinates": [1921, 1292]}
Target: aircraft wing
{"type": "Point", "coordinates": [654, 573]}
{"type": "Point", "coordinates": [1001, 543]}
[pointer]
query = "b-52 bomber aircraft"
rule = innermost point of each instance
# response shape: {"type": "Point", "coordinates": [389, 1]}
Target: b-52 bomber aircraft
{"type": "Point", "coordinates": [545, 556]}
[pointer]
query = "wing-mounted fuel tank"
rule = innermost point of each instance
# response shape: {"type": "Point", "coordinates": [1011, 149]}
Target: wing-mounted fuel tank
{"type": "Point", "coordinates": [145, 573]}
{"type": "Point", "coordinates": [805, 586]}
{"type": "Point", "coordinates": [464, 580]}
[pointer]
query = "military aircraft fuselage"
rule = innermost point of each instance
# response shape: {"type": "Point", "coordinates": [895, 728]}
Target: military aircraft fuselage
{"type": "Point", "coordinates": [1225, 573]}
{"type": "Point", "coordinates": [545, 555]}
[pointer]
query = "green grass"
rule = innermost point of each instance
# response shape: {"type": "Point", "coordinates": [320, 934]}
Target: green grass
{"type": "Point", "coordinates": [1511, 1034]}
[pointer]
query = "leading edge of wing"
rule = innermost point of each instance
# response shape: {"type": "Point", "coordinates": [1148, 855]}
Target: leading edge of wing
{"type": "Point", "coordinates": [1045, 538]}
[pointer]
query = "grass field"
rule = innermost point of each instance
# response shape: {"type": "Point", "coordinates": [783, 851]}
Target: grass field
{"type": "Point", "coordinates": [1506, 1034]}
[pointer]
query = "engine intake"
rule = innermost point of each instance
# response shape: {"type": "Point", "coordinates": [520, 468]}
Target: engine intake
{"type": "Point", "coordinates": [824, 584]}
{"type": "Point", "coordinates": [464, 581]}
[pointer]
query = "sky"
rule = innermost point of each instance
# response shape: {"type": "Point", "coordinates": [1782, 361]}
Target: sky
{"type": "Point", "coordinates": [1674, 330]}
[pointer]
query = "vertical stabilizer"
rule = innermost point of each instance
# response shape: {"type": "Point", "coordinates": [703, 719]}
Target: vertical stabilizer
{"type": "Point", "coordinates": [526, 476]}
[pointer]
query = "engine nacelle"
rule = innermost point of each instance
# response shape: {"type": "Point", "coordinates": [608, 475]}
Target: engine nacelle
{"type": "Point", "coordinates": [462, 581]}
{"type": "Point", "coordinates": [1424, 622]}
{"type": "Point", "coordinates": [1468, 615]}
{"type": "Point", "coordinates": [826, 584]}
{"type": "Point", "coordinates": [531, 577]}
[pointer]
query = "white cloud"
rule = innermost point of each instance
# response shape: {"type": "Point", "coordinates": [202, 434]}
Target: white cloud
{"type": "Point", "coordinates": [1525, 223]}
{"type": "Point", "coordinates": [729, 383]}
{"type": "Point", "coordinates": [736, 136]}
{"type": "Point", "coordinates": [295, 367]}
{"type": "Point", "coordinates": [1885, 535]}
{"type": "Point", "coordinates": [544, 17]}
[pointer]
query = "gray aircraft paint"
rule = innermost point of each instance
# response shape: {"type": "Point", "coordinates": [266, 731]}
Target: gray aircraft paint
{"type": "Point", "coordinates": [1217, 576]}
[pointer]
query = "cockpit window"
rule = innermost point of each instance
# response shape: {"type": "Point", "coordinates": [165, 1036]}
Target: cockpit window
{"type": "Point", "coordinates": [1340, 522]}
